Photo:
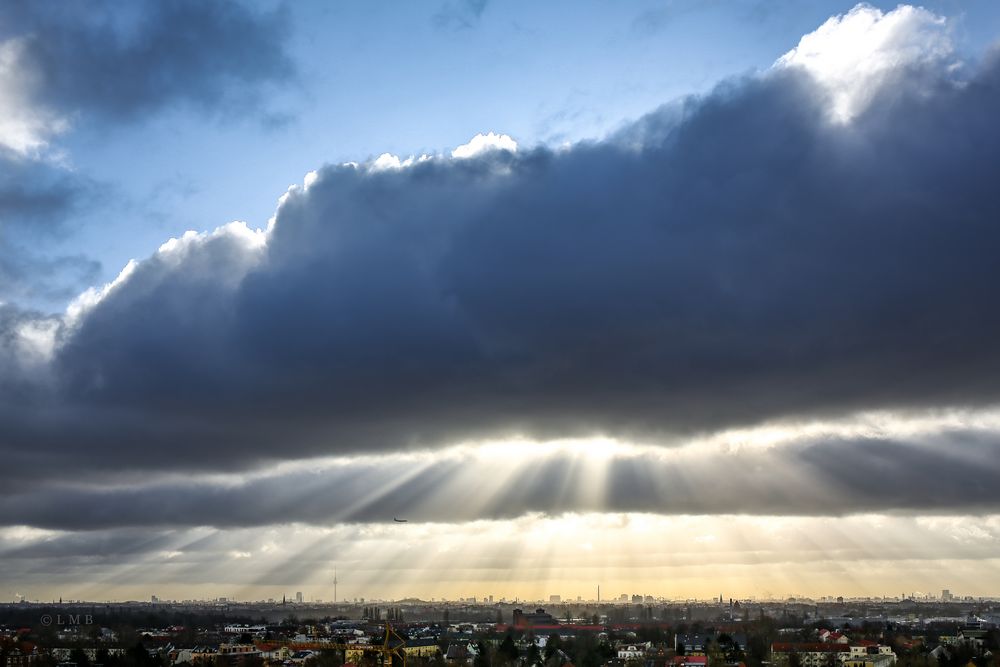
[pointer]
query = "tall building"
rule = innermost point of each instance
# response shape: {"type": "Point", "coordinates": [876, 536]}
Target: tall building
{"type": "Point", "coordinates": [946, 595]}
{"type": "Point", "coordinates": [298, 597]}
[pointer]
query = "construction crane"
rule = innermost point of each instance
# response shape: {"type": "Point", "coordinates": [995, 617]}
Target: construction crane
{"type": "Point", "coordinates": [387, 649]}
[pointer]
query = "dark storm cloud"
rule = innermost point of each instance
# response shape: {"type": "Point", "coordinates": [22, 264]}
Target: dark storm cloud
{"type": "Point", "coordinates": [952, 472]}
{"type": "Point", "coordinates": [122, 60]}
{"type": "Point", "coordinates": [730, 260]}
{"type": "Point", "coordinates": [106, 545]}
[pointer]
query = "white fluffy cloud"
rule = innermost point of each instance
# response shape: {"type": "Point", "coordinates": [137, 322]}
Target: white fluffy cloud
{"type": "Point", "coordinates": [852, 54]}
{"type": "Point", "coordinates": [483, 143]}
{"type": "Point", "coordinates": [25, 126]}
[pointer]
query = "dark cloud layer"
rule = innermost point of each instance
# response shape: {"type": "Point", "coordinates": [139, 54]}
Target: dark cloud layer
{"type": "Point", "coordinates": [946, 473]}
{"type": "Point", "coordinates": [727, 261]}
{"type": "Point", "coordinates": [116, 61]}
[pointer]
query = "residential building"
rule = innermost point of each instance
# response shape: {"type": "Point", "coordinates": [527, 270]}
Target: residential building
{"type": "Point", "coordinates": [523, 620]}
{"type": "Point", "coordinates": [810, 654]}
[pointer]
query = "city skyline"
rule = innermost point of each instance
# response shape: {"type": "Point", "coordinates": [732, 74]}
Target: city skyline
{"type": "Point", "coordinates": [555, 600]}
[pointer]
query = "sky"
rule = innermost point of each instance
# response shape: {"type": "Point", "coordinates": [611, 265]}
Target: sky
{"type": "Point", "coordinates": [677, 298]}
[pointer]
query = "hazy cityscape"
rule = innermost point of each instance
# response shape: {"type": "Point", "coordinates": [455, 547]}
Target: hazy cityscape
{"type": "Point", "coordinates": [629, 631]}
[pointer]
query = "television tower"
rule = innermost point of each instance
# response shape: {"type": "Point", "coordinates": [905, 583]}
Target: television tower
{"type": "Point", "coordinates": [334, 584]}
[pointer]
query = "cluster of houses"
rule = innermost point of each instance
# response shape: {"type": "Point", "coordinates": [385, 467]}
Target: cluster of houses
{"type": "Point", "coordinates": [973, 637]}
{"type": "Point", "coordinates": [254, 643]}
{"type": "Point", "coordinates": [832, 654]}
{"type": "Point", "coordinates": [837, 649]}
{"type": "Point", "coordinates": [458, 645]}
{"type": "Point", "coordinates": [688, 650]}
